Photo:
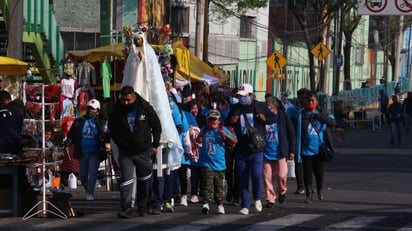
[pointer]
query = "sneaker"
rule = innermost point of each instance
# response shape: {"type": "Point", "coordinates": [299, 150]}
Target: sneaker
{"type": "Point", "coordinates": [244, 211]}
{"type": "Point", "coordinates": [172, 202]}
{"type": "Point", "coordinates": [258, 206]}
{"type": "Point", "coordinates": [205, 209]}
{"type": "Point", "coordinates": [89, 197]}
{"type": "Point", "coordinates": [128, 213]}
{"type": "Point", "coordinates": [183, 200]}
{"type": "Point", "coordinates": [300, 191]}
{"type": "Point", "coordinates": [282, 198]}
{"type": "Point", "coordinates": [270, 205]}
{"type": "Point", "coordinates": [220, 209]}
{"type": "Point", "coordinates": [168, 208]}
{"type": "Point", "coordinates": [194, 199]}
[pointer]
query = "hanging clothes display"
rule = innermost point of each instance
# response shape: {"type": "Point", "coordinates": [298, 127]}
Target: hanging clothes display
{"type": "Point", "coordinates": [106, 77]}
{"type": "Point", "coordinates": [86, 74]}
{"type": "Point", "coordinates": [69, 67]}
{"type": "Point", "coordinates": [82, 96]}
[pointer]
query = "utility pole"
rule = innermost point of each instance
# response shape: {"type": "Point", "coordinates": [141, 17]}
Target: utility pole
{"type": "Point", "coordinates": [337, 51]}
{"type": "Point", "coordinates": [15, 39]}
{"type": "Point", "coordinates": [200, 25]}
{"type": "Point", "coordinates": [398, 49]}
{"type": "Point", "coordinates": [408, 64]}
{"type": "Point", "coordinates": [386, 50]}
{"type": "Point", "coordinates": [206, 33]}
{"type": "Point", "coordinates": [285, 43]}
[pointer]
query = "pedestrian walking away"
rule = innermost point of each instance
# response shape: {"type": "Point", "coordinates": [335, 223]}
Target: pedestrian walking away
{"type": "Point", "coordinates": [396, 119]}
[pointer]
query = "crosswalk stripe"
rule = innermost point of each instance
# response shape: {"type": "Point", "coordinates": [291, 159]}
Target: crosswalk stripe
{"type": "Point", "coordinates": [354, 223]}
{"type": "Point", "coordinates": [282, 222]}
{"type": "Point", "coordinates": [208, 222]}
{"type": "Point", "coordinates": [406, 228]}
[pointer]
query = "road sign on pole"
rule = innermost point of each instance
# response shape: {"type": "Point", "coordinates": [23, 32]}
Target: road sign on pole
{"type": "Point", "coordinates": [384, 7]}
{"type": "Point", "coordinates": [320, 51]}
{"type": "Point", "coordinates": [276, 61]}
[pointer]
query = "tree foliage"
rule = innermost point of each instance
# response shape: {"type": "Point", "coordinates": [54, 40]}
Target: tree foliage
{"type": "Point", "coordinates": [223, 9]}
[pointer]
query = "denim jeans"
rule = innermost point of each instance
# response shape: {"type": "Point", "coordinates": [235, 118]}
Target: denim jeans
{"type": "Point", "coordinates": [131, 164]}
{"type": "Point", "coordinates": [89, 164]}
{"type": "Point", "coordinates": [250, 164]}
{"type": "Point", "coordinates": [160, 191]}
{"type": "Point", "coordinates": [408, 121]}
{"type": "Point", "coordinates": [396, 131]}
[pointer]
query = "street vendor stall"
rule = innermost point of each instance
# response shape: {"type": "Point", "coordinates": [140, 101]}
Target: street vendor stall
{"type": "Point", "coordinates": [11, 66]}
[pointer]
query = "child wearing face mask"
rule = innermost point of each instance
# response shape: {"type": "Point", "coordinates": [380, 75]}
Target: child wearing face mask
{"type": "Point", "coordinates": [213, 138]}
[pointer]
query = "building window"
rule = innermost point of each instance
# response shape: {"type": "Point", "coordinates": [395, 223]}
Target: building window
{"type": "Point", "coordinates": [359, 55]}
{"type": "Point", "coordinates": [180, 20]}
{"type": "Point", "coordinates": [247, 27]}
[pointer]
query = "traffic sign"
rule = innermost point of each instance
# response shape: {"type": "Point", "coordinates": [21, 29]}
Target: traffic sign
{"type": "Point", "coordinates": [276, 61]}
{"type": "Point", "coordinates": [320, 51]}
{"type": "Point", "coordinates": [338, 60]}
{"type": "Point", "coordinates": [385, 7]}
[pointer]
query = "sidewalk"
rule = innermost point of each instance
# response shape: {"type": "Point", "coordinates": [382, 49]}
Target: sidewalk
{"type": "Point", "coordinates": [365, 138]}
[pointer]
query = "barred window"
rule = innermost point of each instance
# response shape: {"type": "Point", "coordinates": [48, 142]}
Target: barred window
{"type": "Point", "coordinates": [180, 19]}
{"type": "Point", "coordinates": [247, 27]}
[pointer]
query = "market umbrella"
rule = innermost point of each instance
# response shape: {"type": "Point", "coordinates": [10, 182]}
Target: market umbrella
{"type": "Point", "coordinates": [11, 66]}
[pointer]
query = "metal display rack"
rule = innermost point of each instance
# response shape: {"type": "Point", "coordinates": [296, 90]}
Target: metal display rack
{"type": "Point", "coordinates": [44, 202]}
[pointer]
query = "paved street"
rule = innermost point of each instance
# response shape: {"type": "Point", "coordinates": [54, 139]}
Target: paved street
{"type": "Point", "coordinates": [367, 187]}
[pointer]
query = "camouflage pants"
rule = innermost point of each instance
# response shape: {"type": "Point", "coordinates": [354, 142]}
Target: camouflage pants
{"type": "Point", "coordinates": [212, 185]}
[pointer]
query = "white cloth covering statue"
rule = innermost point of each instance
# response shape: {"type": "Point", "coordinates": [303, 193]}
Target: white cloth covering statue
{"type": "Point", "coordinates": [142, 72]}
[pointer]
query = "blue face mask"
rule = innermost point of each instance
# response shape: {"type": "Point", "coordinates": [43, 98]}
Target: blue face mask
{"type": "Point", "coordinates": [234, 100]}
{"type": "Point", "coordinates": [244, 100]}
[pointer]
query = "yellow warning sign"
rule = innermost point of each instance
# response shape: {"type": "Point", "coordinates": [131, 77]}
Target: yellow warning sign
{"type": "Point", "coordinates": [277, 76]}
{"type": "Point", "coordinates": [320, 51]}
{"type": "Point", "coordinates": [276, 61]}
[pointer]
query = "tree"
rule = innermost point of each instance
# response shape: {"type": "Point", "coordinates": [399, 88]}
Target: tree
{"type": "Point", "coordinates": [350, 21]}
{"type": "Point", "coordinates": [314, 16]}
{"type": "Point", "coordinates": [223, 9]}
{"type": "Point", "coordinates": [388, 30]}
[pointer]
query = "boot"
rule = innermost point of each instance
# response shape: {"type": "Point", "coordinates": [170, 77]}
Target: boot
{"type": "Point", "coordinates": [308, 191]}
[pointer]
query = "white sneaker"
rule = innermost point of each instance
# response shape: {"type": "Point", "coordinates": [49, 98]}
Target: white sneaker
{"type": "Point", "coordinates": [205, 209]}
{"type": "Point", "coordinates": [89, 197]}
{"type": "Point", "coordinates": [244, 211]}
{"type": "Point", "coordinates": [194, 199]}
{"type": "Point", "coordinates": [258, 206]}
{"type": "Point", "coordinates": [220, 209]}
{"type": "Point", "coordinates": [183, 200]}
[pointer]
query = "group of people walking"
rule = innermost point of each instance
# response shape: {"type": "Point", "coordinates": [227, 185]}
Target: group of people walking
{"type": "Point", "coordinates": [214, 141]}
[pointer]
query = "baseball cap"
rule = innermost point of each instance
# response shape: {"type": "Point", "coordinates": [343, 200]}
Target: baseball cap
{"type": "Point", "coordinates": [213, 114]}
{"type": "Point", "coordinates": [94, 103]}
{"type": "Point", "coordinates": [245, 89]}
